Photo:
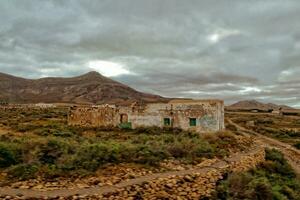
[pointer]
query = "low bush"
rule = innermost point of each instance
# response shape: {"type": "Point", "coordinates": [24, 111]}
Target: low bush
{"type": "Point", "coordinates": [23, 171]}
{"type": "Point", "coordinates": [77, 153]}
{"type": "Point", "coordinates": [53, 148]}
{"type": "Point", "coordinates": [297, 145]}
{"type": "Point", "coordinates": [9, 155]}
{"type": "Point", "coordinates": [274, 179]}
{"type": "Point", "coordinates": [92, 156]}
{"type": "Point", "coordinates": [25, 127]}
{"type": "Point", "coordinates": [277, 164]}
{"type": "Point", "coordinates": [51, 151]}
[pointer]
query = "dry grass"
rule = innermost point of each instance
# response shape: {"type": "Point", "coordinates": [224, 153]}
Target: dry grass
{"type": "Point", "coordinates": [283, 128]}
{"type": "Point", "coordinates": [40, 143]}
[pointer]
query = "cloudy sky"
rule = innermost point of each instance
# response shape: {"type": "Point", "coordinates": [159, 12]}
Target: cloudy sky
{"type": "Point", "coordinates": [228, 49]}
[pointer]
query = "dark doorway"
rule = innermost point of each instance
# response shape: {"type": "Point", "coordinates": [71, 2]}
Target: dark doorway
{"type": "Point", "coordinates": [124, 118]}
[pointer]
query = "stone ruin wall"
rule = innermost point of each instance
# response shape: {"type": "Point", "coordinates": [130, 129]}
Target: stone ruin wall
{"type": "Point", "coordinates": [93, 116]}
{"type": "Point", "coordinates": [209, 115]}
{"type": "Point", "coordinates": [196, 185]}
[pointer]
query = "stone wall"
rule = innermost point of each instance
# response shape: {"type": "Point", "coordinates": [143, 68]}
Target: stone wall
{"type": "Point", "coordinates": [209, 115]}
{"type": "Point", "coordinates": [94, 116]}
{"type": "Point", "coordinates": [195, 185]}
{"type": "Point", "coordinates": [195, 182]}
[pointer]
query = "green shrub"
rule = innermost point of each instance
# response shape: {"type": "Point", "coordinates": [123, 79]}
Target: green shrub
{"type": "Point", "coordinates": [297, 145]}
{"type": "Point", "coordinates": [26, 127]}
{"type": "Point", "coordinates": [52, 171]}
{"type": "Point", "coordinates": [261, 188]}
{"type": "Point", "coordinates": [63, 133]}
{"type": "Point", "coordinates": [58, 149]}
{"type": "Point", "coordinates": [149, 155]}
{"type": "Point", "coordinates": [92, 156]}
{"type": "Point", "coordinates": [42, 131]}
{"type": "Point", "coordinates": [274, 179]}
{"type": "Point", "coordinates": [148, 130]}
{"type": "Point", "coordinates": [51, 151]}
{"type": "Point", "coordinates": [275, 155]}
{"type": "Point", "coordinates": [278, 164]}
{"type": "Point", "coordinates": [9, 155]}
{"type": "Point", "coordinates": [23, 171]}
{"type": "Point", "coordinates": [177, 151]}
{"type": "Point", "coordinates": [204, 149]}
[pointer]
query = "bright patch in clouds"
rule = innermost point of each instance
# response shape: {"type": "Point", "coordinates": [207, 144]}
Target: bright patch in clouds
{"type": "Point", "coordinates": [107, 68]}
{"type": "Point", "coordinates": [290, 75]}
{"type": "Point", "coordinates": [247, 90]}
{"type": "Point", "coordinates": [221, 34]}
{"type": "Point", "coordinates": [214, 37]}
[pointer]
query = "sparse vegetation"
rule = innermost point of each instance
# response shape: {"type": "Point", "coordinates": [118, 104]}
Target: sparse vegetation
{"type": "Point", "coordinates": [8, 155]}
{"type": "Point", "coordinates": [297, 145]}
{"type": "Point", "coordinates": [45, 145]}
{"type": "Point", "coordinates": [283, 128]}
{"type": "Point", "coordinates": [273, 179]}
{"type": "Point", "coordinates": [79, 153]}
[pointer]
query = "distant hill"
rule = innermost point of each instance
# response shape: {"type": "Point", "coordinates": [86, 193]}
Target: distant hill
{"type": "Point", "coordinates": [90, 88]}
{"type": "Point", "coordinates": [253, 104]}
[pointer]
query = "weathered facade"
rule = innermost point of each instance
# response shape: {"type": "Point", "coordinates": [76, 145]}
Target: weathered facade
{"type": "Point", "coordinates": [194, 115]}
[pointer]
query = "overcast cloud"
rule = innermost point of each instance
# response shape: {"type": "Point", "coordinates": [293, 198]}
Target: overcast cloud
{"type": "Point", "coordinates": [230, 49]}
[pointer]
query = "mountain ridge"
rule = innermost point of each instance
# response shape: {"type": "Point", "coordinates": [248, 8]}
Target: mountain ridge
{"type": "Point", "coordinates": [88, 88]}
{"type": "Point", "coordinates": [254, 104]}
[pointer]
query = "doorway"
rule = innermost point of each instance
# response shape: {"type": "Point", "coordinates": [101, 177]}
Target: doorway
{"type": "Point", "coordinates": [124, 124]}
{"type": "Point", "coordinates": [123, 118]}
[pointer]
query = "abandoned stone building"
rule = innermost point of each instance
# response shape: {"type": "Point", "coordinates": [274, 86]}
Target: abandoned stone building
{"type": "Point", "coordinates": [193, 115]}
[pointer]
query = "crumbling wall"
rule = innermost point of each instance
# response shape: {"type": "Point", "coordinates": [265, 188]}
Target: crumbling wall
{"type": "Point", "coordinates": [93, 116]}
{"type": "Point", "coordinates": [209, 115]}
{"type": "Point", "coordinates": [149, 115]}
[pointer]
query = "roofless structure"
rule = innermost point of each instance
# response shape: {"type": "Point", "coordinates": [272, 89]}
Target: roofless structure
{"type": "Point", "coordinates": [192, 115]}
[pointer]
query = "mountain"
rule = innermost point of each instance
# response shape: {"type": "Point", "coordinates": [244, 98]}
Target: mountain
{"type": "Point", "coordinates": [253, 104]}
{"type": "Point", "coordinates": [90, 88]}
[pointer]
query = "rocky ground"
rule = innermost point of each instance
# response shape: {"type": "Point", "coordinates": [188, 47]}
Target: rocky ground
{"type": "Point", "coordinates": [291, 154]}
{"type": "Point", "coordinates": [111, 175]}
{"type": "Point", "coordinates": [108, 176]}
{"type": "Point", "coordinates": [194, 183]}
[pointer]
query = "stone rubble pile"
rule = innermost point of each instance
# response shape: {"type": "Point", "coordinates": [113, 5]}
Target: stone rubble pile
{"type": "Point", "coordinates": [113, 175]}
{"type": "Point", "coordinates": [191, 186]}
{"type": "Point", "coordinates": [247, 162]}
{"type": "Point", "coordinates": [110, 176]}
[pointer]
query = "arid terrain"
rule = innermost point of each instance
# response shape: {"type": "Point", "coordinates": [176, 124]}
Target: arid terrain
{"type": "Point", "coordinates": [89, 88]}
{"type": "Point", "coordinates": [283, 128]}
{"type": "Point", "coordinates": [253, 104]}
{"type": "Point", "coordinates": [41, 156]}
{"type": "Point", "coordinates": [149, 100]}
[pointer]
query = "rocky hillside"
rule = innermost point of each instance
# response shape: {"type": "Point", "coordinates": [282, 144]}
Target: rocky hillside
{"type": "Point", "coordinates": [253, 104]}
{"type": "Point", "coordinates": [89, 88]}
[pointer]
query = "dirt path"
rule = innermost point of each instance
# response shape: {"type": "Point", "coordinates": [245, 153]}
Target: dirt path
{"type": "Point", "coordinates": [291, 154]}
{"type": "Point", "coordinates": [29, 193]}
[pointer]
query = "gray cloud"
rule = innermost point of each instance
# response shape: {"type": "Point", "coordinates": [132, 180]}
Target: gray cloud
{"type": "Point", "coordinates": [232, 50]}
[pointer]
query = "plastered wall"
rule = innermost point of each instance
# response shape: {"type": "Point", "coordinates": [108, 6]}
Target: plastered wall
{"type": "Point", "coordinates": [209, 115]}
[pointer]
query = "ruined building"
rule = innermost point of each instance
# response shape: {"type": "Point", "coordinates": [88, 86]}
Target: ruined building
{"type": "Point", "coordinates": [193, 115]}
